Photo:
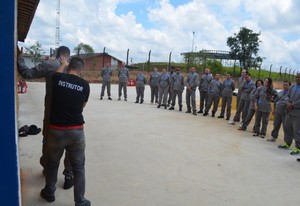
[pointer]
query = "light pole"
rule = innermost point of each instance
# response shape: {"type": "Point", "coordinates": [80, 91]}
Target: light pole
{"type": "Point", "coordinates": [193, 42]}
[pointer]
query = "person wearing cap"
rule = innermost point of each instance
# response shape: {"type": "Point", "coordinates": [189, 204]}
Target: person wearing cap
{"type": "Point", "coordinates": [123, 76]}
{"type": "Point", "coordinates": [140, 86]}
{"type": "Point", "coordinates": [204, 82]}
{"type": "Point", "coordinates": [106, 73]}
{"type": "Point", "coordinates": [177, 87]}
{"type": "Point", "coordinates": [227, 92]}
{"type": "Point", "coordinates": [45, 70]}
{"type": "Point", "coordinates": [153, 81]}
{"type": "Point", "coordinates": [191, 84]}
{"type": "Point", "coordinates": [69, 97]}
{"type": "Point", "coordinates": [214, 93]}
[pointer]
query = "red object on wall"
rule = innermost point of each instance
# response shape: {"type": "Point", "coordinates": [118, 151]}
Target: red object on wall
{"type": "Point", "coordinates": [131, 82]}
{"type": "Point", "coordinates": [22, 87]}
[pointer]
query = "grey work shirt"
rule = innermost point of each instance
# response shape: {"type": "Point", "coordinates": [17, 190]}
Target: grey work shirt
{"type": "Point", "coordinates": [280, 102]}
{"type": "Point", "coordinates": [252, 99]}
{"type": "Point", "coordinates": [141, 80]}
{"type": "Point", "coordinates": [215, 88]}
{"type": "Point", "coordinates": [204, 82]}
{"type": "Point", "coordinates": [164, 80]}
{"type": "Point", "coordinates": [228, 88]}
{"type": "Point", "coordinates": [123, 75]}
{"type": "Point", "coordinates": [154, 78]}
{"type": "Point", "coordinates": [246, 89]}
{"type": "Point", "coordinates": [106, 74]}
{"type": "Point", "coordinates": [177, 82]}
{"type": "Point", "coordinates": [241, 82]}
{"type": "Point", "coordinates": [294, 98]}
{"type": "Point", "coordinates": [192, 80]}
{"type": "Point", "coordinates": [263, 101]}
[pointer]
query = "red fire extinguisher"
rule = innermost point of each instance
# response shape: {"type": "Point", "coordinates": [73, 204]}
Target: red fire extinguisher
{"type": "Point", "coordinates": [24, 87]}
{"type": "Point", "coordinates": [19, 87]}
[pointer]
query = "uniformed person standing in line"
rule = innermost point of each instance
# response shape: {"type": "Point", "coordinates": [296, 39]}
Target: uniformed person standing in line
{"type": "Point", "coordinates": [241, 81]}
{"type": "Point", "coordinates": [170, 94]}
{"type": "Point", "coordinates": [106, 75]}
{"type": "Point", "coordinates": [214, 94]}
{"type": "Point", "coordinates": [177, 87]}
{"type": "Point", "coordinates": [264, 96]}
{"type": "Point", "coordinates": [140, 86]}
{"type": "Point", "coordinates": [163, 87]}
{"type": "Point", "coordinates": [154, 77]}
{"type": "Point", "coordinates": [244, 102]}
{"type": "Point", "coordinates": [228, 88]}
{"type": "Point", "coordinates": [292, 119]}
{"type": "Point", "coordinates": [191, 83]}
{"type": "Point", "coordinates": [279, 111]}
{"type": "Point", "coordinates": [204, 82]}
{"type": "Point", "coordinates": [123, 75]}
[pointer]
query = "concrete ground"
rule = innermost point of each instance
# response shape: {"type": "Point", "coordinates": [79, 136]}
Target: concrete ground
{"type": "Point", "coordinates": [138, 155]}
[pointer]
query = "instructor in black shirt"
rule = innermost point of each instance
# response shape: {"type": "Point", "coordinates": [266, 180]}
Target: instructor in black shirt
{"type": "Point", "coordinates": [70, 94]}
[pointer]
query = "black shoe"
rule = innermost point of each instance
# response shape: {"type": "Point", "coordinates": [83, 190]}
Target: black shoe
{"type": "Point", "coordinates": [137, 101]}
{"type": "Point", "coordinates": [188, 111]}
{"type": "Point", "coordinates": [87, 203]}
{"type": "Point", "coordinates": [194, 112]}
{"type": "Point", "coordinates": [69, 182]}
{"type": "Point", "coordinates": [119, 99]}
{"type": "Point", "coordinates": [200, 111]}
{"type": "Point", "coordinates": [171, 108]}
{"type": "Point", "coordinates": [227, 118]}
{"type": "Point", "coordinates": [158, 106]}
{"type": "Point", "coordinates": [101, 98]}
{"type": "Point", "coordinates": [298, 159]}
{"type": "Point", "coordinates": [205, 114]}
{"type": "Point", "coordinates": [141, 101]}
{"type": "Point", "coordinates": [180, 109]}
{"type": "Point", "coordinates": [255, 134]}
{"type": "Point", "coordinates": [165, 106]}
{"type": "Point", "coordinates": [109, 98]}
{"type": "Point", "coordinates": [49, 198]}
{"type": "Point", "coordinates": [213, 114]}
{"type": "Point", "coordinates": [221, 116]}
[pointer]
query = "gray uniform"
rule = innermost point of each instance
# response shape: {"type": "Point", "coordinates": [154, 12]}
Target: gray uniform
{"type": "Point", "coordinates": [228, 88]}
{"type": "Point", "coordinates": [170, 95]}
{"type": "Point", "coordinates": [177, 87]}
{"type": "Point", "coordinates": [123, 75]}
{"type": "Point", "coordinates": [191, 81]}
{"type": "Point", "coordinates": [106, 75]}
{"type": "Point", "coordinates": [214, 94]}
{"type": "Point", "coordinates": [244, 101]}
{"type": "Point", "coordinates": [164, 83]}
{"type": "Point", "coordinates": [280, 112]}
{"type": "Point", "coordinates": [241, 81]}
{"type": "Point", "coordinates": [44, 70]}
{"type": "Point", "coordinates": [251, 110]}
{"type": "Point", "coordinates": [154, 78]}
{"type": "Point", "coordinates": [292, 126]}
{"type": "Point", "coordinates": [204, 82]}
{"type": "Point", "coordinates": [264, 109]}
{"type": "Point", "coordinates": [140, 86]}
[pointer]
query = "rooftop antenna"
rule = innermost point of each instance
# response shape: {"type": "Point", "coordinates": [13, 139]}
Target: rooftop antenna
{"type": "Point", "coordinates": [57, 34]}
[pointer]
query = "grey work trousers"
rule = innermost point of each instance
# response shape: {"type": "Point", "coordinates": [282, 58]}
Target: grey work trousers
{"type": "Point", "coordinates": [203, 99]}
{"type": "Point", "coordinates": [226, 103]}
{"type": "Point", "coordinates": [191, 99]}
{"type": "Point", "coordinates": [140, 93]}
{"type": "Point", "coordinates": [154, 93]}
{"type": "Point", "coordinates": [43, 159]}
{"type": "Point", "coordinates": [249, 117]}
{"type": "Point", "coordinates": [72, 140]}
{"type": "Point", "coordinates": [278, 120]}
{"type": "Point", "coordinates": [292, 129]}
{"type": "Point", "coordinates": [212, 99]}
{"type": "Point", "coordinates": [104, 85]}
{"type": "Point", "coordinates": [261, 119]}
{"type": "Point", "coordinates": [163, 95]}
{"type": "Point", "coordinates": [179, 94]}
{"type": "Point", "coordinates": [123, 85]}
{"type": "Point", "coordinates": [242, 108]}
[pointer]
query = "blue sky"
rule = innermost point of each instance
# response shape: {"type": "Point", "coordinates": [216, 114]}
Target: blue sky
{"type": "Point", "coordinates": [165, 26]}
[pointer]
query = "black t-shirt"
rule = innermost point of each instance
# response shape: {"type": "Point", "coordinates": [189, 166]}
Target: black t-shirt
{"type": "Point", "coordinates": [69, 94]}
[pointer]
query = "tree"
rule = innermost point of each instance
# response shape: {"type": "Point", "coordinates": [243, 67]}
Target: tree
{"type": "Point", "coordinates": [83, 49]}
{"type": "Point", "coordinates": [244, 46]}
{"type": "Point", "coordinates": [36, 52]}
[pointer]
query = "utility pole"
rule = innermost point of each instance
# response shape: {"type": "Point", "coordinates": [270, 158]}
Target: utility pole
{"type": "Point", "coordinates": [193, 42]}
{"type": "Point", "coordinates": [57, 33]}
